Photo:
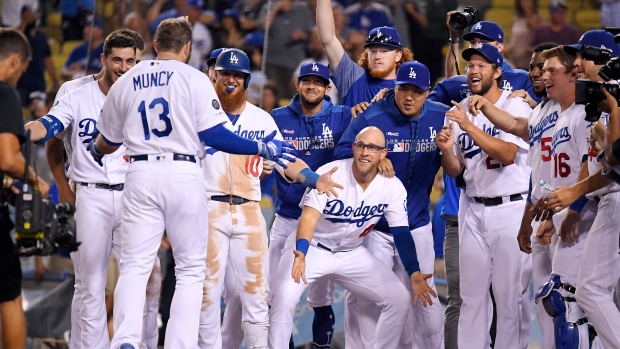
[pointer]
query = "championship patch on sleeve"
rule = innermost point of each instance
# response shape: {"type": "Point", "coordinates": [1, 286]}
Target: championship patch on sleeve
{"type": "Point", "coordinates": [215, 104]}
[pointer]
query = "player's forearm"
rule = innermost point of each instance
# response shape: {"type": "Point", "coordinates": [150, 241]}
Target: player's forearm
{"type": "Point", "coordinates": [327, 33]}
{"type": "Point", "coordinates": [53, 152]}
{"type": "Point", "coordinates": [592, 183]}
{"type": "Point", "coordinates": [104, 146]}
{"type": "Point", "coordinates": [451, 164]}
{"type": "Point", "coordinates": [516, 125]}
{"type": "Point", "coordinates": [307, 222]}
{"type": "Point", "coordinates": [498, 149]}
{"type": "Point", "coordinates": [37, 130]}
{"type": "Point", "coordinates": [527, 214]}
{"type": "Point", "coordinates": [406, 249]}
{"type": "Point", "coordinates": [453, 49]}
{"type": "Point", "coordinates": [302, 174]}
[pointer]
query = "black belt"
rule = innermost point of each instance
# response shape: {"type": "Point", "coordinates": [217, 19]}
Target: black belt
{"type": "Point", "coordinates": [115, 187]}
{"type": "Point", "coordinates": [231, 199]}
{"type": "Point", "coordinates": [320, 245]}
{"type": "Point", "coordinates": [498, 200]}
{"type": "Point", "coordinates": [175, 157]}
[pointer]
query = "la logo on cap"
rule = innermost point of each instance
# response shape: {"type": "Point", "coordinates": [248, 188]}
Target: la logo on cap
{"type": "Point", "coordinates": [610, 50]}
{"type": "Point", "coordinates": [412, 74]}
{"type": "Point", "coordinates": [233, 58]}
{"type": "Point", "coordinates": [379, 33]}
{"type": "Point", "coordinates": [478, 45]}
{"type": "Point", "coordinates": [314, 67]}
{"type": "Point", "coordinates": [478, 26]}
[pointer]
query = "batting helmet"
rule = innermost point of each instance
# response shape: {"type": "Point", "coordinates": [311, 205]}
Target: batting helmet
{"type": "Point", "coordinates": [236, 60]}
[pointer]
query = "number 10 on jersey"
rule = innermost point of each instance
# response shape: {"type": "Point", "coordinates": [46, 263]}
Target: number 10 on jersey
{"type": "Point", "coordinates": [163, 116]}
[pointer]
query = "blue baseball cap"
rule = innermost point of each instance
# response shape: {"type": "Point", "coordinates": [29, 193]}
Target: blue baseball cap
{"type": "Point", "coordinates": [231, 12]}
{"type": "Point", "coordinates": [196, 4]}
{"type": "Point", "coordinates": [597, 38]}
{"type": "Point", "coordinates": [414, 73]}
{"type": "Point", "coordinates": [256, 39]}
{"type": "Point", "coordinates": [314, 69]}
{"type": "Point", "coordinates": [213, 56]}
{"type": "Point", "coordinates": [94, 21]}
{"type": "Point", "coordinates": [487, 50]}
{"type": "Point", "coordinates": [486, 29]}
{"type": "Point", "coordinates": [387, 36]}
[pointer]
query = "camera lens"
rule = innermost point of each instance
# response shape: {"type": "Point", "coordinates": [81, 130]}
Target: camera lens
{"type": "Point", "coordinates": [459, 21]}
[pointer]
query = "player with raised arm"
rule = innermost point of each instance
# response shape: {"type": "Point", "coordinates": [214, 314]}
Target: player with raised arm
{"type": "Point", "coordinates": [409, 123]}
{"type": "Point", "coordinates": [163, 112]}
{"type": "Point", "coordinates": [237, 230]}
{"type": "Point", "coordinates": [488, 227]}
{"type": "Point", "coordinates": [377, 66]}
{"type": "Point", "coordinates": [98, 225]}
{"type": "Point", "coordinates": [328, 244]}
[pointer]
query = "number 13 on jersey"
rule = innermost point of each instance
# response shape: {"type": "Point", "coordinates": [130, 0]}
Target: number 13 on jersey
{"type": "Point", "coordinates": [163, 116]}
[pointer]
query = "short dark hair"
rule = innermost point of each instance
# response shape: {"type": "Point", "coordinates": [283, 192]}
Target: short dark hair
{"type": "Point", "coordinates": [545, 46]}
{"type": "Point", "coordinates": [172, 34]}
{"type": "Point", "coordinates": [12, 41]}
{"type": "Point", "coordinates": [116, 39]}
{"type": "Point", "coordinates": [135, 36]}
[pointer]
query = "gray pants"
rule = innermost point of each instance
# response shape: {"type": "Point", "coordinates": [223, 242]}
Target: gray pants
{"type": "Point", "coordinates": [451, 260]}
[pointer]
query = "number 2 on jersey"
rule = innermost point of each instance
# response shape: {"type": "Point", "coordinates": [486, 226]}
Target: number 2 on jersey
{"type": "Point", "coordinates": [163, 117]}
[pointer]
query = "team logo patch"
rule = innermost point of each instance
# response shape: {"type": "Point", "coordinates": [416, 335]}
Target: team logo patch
{"type": "Point", "coordinates": [288, 131]}
{"type": "Point", "coordinates": [215, 104]}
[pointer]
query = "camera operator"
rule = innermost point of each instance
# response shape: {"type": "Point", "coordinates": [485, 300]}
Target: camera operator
{"type": "Point", "coordinates": [14, 56]}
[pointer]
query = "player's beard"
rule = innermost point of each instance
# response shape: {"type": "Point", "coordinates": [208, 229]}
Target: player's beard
{"type": "Point", "coordinates": [484, 88]}
{"type": "Point", "coordinates": [383, 73]}
{"type": "Point", "coordinates": [311, 102]}
{"type": "Point", "coordinates": [230, 101]}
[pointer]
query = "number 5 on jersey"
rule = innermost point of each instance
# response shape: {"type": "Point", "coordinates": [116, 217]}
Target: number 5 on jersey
{"type": "Point", "coordinates": [163, 116]}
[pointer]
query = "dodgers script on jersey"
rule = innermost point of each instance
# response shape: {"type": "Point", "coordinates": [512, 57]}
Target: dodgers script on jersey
{"type": "Point", "coordinates": [485, 176]}
{"type": "Point", "coordinates": [137, 109]}
{"type": "Point", "coordinates": [242, 177]}
{"type": "Point", "coordinates": [80, 109]}
{"type": "Point", "coordinates": [541, 125]}
{"type": "Point", "coordinates": [347, 219]}
{"type": "Point", "coordinates": [569, 146]}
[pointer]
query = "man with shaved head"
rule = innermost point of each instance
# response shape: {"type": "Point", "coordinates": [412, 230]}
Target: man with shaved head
{"type": "Point", "coordinates": [328, 244]}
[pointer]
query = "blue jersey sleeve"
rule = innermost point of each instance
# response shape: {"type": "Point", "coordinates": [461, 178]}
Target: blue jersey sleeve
{"type": "Point", "coordinates": [343, 148]}
{"type": "Point", "coordinates": [74, 56]}
{"type": "Point", "coordinates": [439, 94]}
{"type": "Point", "coordinates": [346, 74]}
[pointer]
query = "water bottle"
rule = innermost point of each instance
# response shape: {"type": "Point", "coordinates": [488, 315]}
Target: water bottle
{"type": "Point", "coordinates": [546, 188]}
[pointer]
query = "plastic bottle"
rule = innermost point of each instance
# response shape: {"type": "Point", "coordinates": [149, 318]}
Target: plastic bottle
{"type": "Point", "coordinates": [546, 188]}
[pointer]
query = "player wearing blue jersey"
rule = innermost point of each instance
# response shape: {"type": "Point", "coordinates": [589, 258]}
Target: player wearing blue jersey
{"type": "Point", "coordinates": [377, 66]}
{"type": "Point", "coordinates": [315, 126]}
{"type": "Point", "coordinates": [409, 122]}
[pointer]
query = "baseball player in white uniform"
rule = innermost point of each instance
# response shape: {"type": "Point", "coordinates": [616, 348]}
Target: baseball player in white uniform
{"type": "Point", "coordinates": [164, 112]}
{"type": "Point", "coordinates": [489, 252]}
{"type": "Point", "coordinates": [328, 244]}
{"type": "Point", "coordinates": [98, 193]}
{"type": "Point", "coordinates": [56, 162]}
{"type": "Point", "coordinates": [237, 230]}
{"type": "Point", "coordinates": [569, 149]}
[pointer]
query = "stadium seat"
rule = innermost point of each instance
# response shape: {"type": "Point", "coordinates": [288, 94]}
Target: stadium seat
{"type": "Point", "coordinates": [508, 4]}
{"type": "Point", "coordinates": [501, 16]}
{"type": "Point", "coordinates": [587, 19]}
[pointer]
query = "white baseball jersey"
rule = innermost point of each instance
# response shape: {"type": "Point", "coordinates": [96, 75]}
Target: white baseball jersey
{"type": "Point", "coordinates": [80, 109]}
{"type": "Point", "coordinates": [230, 174]}
{"type": "Point", "coordinates": [67, 87]}
{"type": "Point", "coordinates": [541, 125]}
{"type": "Point", "coordinates": [569, 146]}
{"type": "Point", "coordinates": [137, 110]}
{"type": "Point", "coordinates": [594, 165]}
{"type": "Point", "coordinates": [485, 176]}
{"type": "Point", "coordinates": [347, 219]}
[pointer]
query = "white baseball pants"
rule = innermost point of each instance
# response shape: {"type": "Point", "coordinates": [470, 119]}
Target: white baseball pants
{"type": "Point", "coordinates": [161, 195]}
{"type": "Point", "coordinates": [489, 253]}
{"type": "Point", "coordinates": [359, 272]}
{"type": "Point", "coordinates": [237, 237]}
{"type": "Point", "coordinates": [424, 326]}
{"type": "Point", "coordinates": [600, 270]}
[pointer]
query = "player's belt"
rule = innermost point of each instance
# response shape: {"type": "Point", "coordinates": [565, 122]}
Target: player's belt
{"type": "Point", "coordinates": [231, 199]}
{"type": "Point", "coordinates": [175, 157]}
{"type": "Point", "coordinates": [115, 187]}
{"type": "Point", "coordinates": [321, 246]}
{"type": "Point", "coordinates": [498, 200]}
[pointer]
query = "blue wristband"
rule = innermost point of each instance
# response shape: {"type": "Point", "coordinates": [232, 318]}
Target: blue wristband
{"type": "Point", "coordinates": [302, 245]}
{"type": "Point", "coordinates": [579, 204]}
{"type": "Point", "coordinates": [309, 178]}
{"type": "Point", "coordinates": [53, 127]}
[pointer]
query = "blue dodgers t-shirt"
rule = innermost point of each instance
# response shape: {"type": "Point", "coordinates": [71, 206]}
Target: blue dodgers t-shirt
{"type": "Point", "coordinates": [355, 84]}
{"type": "Point", "coordinates": [80, 54]}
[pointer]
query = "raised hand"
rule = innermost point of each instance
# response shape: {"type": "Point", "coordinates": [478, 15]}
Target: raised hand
{"type": "Point", "coordinates": [386, 168]}
{"type": "Point", "coordinates": [476, 103]}
{"type": "Point", "coordinates": [358, 109]}
{"type": "Point", "coordinates": [326, 185]}
{"type": "Point", "coordinates": [445, 138]}
{"type": "Point", "coordinates": [459, 115]}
